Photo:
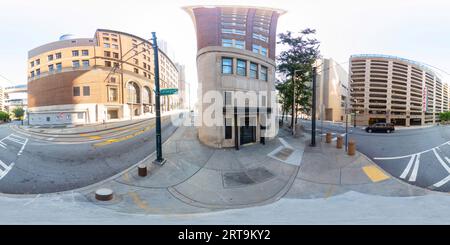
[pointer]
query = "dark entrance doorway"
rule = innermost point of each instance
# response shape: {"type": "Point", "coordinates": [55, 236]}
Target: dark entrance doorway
{"type": "Point", "coordinates": [248, 133]}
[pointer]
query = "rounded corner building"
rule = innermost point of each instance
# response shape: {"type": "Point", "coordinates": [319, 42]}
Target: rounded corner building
{"type": "Point", "coordinates": [395, 90]}
{"type": "Point", "coordinates": [236, 54]}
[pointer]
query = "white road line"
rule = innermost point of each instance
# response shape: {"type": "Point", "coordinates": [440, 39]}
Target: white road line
{"type": "Point", "coordinates": [405, 156]}
{"type": "Point", "coordinates": [442, 182]}
{"type": "Point", "coordinates": [3, 145]}
{"type": "Point", "coordinates": [447, 159]}
{"type": "Point", "coordinates": [441, 161]}
{"type": "Point", "coordinates": [408, 167]}
{"type": "Point", "coordinates": [6, 171]}
{"type": "Point", "coordinates": [23, 147]}
{"type": "Point", "coordinates": [3, 165]}
{"type": "Point", "coordinates": [14, 140]}
{"type": "Point", "coordinates": [413, 176]}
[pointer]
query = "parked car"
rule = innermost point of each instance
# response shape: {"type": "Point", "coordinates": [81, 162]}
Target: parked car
{"type": "Point", "coordinates": [381, 127]}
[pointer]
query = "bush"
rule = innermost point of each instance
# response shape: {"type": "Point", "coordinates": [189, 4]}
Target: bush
{"type": "Point", "coordinates": [4, 116]}
{"type": "Point", "coordinates": [444, 116]}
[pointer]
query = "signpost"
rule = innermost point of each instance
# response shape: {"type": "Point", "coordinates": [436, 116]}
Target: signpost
{"type": "Point", "coordinates": [168, 91]}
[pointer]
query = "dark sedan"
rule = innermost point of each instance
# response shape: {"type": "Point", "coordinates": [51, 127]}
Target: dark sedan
{"type": "Point", "coordinates": [381, 127]}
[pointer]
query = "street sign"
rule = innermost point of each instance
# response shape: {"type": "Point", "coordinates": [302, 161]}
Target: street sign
{"type": "Point", "coordinates": [168, 91]}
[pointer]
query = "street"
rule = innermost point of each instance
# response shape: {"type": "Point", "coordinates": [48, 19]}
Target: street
{"type": "Point", "coordinates": [419, 156]}
{"type": "Point", "coordinates": [32, 163]}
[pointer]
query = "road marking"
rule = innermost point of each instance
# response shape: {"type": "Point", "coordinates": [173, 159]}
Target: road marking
{"type": "Point", "coordinates": [442, 182]}
{"type": "Point", "coordinates": [127, 137]}
{"type": "Point", "coordinates": [3, 145]}
{"type": "Point", "coordinates": [6, 170]}
{"type": "Point", "coordinates": [408, 167]}
{"type": "Point", "coordinates": [441, 161]}
{"type": "Point", "coordinates": [405, 156]}
{"type": "Point", "coordinates": [374, 173]}
{"type": "Point", "coordinates": [138, 201]}
{"type": "Point", "coordinates": [23, 147]}
{"type": "Point", "coordinates": [413, 176]}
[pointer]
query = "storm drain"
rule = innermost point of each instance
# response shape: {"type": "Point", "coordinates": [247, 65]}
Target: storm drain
{"type": "Point", "coordinates": [249, 177]}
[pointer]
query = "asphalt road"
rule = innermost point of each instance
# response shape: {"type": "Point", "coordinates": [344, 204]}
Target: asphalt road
{"type": "Point", "coordinates": [40, 163]}
{"type": "Point", "coordinates": [419, 156]}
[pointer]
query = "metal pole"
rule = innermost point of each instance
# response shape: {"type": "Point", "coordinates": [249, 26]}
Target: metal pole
{"type": "Point", "coordinates": [346, 127]}
{"type": "Point", "coordinates": [313, 116]}
{"type": "Point", "coordinates": [159, 159]}
{"type": "Point", "coordinates": [293, 104]}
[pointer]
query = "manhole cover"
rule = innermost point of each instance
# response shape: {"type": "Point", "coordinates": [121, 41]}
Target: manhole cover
{"type": "Point", "coordinates": [284, 153]}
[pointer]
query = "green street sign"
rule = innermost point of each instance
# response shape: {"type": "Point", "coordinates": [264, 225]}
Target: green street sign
{"type": "Point", "coordinates": [168, 91]}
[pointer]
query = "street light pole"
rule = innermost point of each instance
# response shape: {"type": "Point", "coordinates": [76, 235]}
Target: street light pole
{"type": "Point", "coordinates": [313, 116]}
{"type": "Point", "coordinates": [159, 159]}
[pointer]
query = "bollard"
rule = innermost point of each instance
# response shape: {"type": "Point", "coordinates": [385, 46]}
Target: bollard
{"type": "Point", "coordinates": [328, 138]}
{"type": "Point", "coordinates": [104, 194]}
{"type": "Point", "coordinates": [351, 148]}
{"type": "Point", "coordinates": [142, 170]}
{"type": "Point", "coordinates": [339, 142]}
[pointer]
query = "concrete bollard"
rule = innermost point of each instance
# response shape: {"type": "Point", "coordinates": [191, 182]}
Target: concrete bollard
{"type": "Point", "coordinates": [339, 142]}
{"type": "Point", "coordinates": [142, 170]}
{"type": "Point", "coordinates": [351, 148]}
{"type": "Point", "coordinates": [104, 194]}
{"type": "Point", "coordinates": [328, 138]}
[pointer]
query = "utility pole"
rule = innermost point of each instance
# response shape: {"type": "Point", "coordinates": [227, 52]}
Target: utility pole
{"type": "Point", "coordinates": [159, 159]}
{"type": "Point", "coordinates": [293, 104]}
{"type": "Point", "coordinates": [313, 116]}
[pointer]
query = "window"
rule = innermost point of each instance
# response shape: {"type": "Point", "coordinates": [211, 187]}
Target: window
{"type": "Point", "coordinates": [145, 65]}
{"type": "Point", "coordinates": [241, 67]}
{"type": "Point", "coordinates": [86, 91]}
{"type": "Point", "coordinates": [38, 72]}
{"type": "Point", "coordinates": [263, 101]}
{"type": "Point", "coordinates": [113, 35]}
{"type": "Point", "coordinates": [32, 73]}
{"type": "Point", "coordinates": [136, 70]}
{"type": "Point", "coordinates": [75, 53]}
{"type": "Point", "coordinates": [32, 63]}
{"type": "Point", "coordinates": [263, 51]}
{"type": "Point", "coordinates": [260, 37]}
{"type": "Point", "coordinates": [259, 50]}
{"type": "Point", "coordinates": [107, 54]}
{"type": "Point", "coordinates": [85, 52]}
{"type": "Point", "coordinates": [114, 40]}
{"type": "Point", "coordinates": [50, 68]}
{"type": "Point", "coordinates": [80, 115]}
{"type": "Point", "coordinates": [106, 45]}
{"type": "Point", "coordinates": [75, 63]}
{"type": "Point", "coordinates": [112, 94]}
{"type": "Point", "coordinates": [58, 56]}
{"type": "Point", "coordinates": [50, 57]}
{"type": "Point", "coordinates": [263, 73]}
{"type": "Point", "coordinates": [115, 46]}
{"type": "Point", "coordinates": [58, 66]}
{"type": "Point", "coordinates": [116, 64]}
{"type": "Point", "coordinates": [228, 128]}
{"type": "Point", "coordinates": [115, 55]}
{"type": "Point", "coordinates": [136, 62]}
{"type": "Point", "coordinates": [38, 62]}
{"type": "Point", "coordinates": [227, 66]}
{"type": "Point", "coordinates": [145, 74]}
{"type": "Point", "coordinates": [112, 79]}
{"type": "Point", "coordinates": [85, 63]}
{"type": "Point", "coordinates": [106, 39]}
{"type": "Point", "coordinates": [227, 98]}
{"type": "Point", "coordinates": [253, 70]}
{"type": "Point", "coordinates": [233, 43]}
{"type": "Point", "coordinates": [233, 31]}
{"type": "Point", "coordinates": [108, 63]}
{"type": "Point", "coordinates": [76, 91]}
{"type": "Point", "coordinates": [106, 34]}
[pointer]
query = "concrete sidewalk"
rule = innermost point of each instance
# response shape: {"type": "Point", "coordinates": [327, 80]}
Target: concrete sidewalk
{"type": "Point", "coordinates": [68, 130]}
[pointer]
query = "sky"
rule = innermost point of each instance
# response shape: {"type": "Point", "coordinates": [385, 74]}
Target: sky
{"type": "Point", "coordinates": [413, 29]}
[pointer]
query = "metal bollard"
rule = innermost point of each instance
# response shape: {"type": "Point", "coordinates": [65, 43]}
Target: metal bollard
{"type": "Point", "coordinates": [351, 148]}
{"type": "Point", "coordinates": [142, 170]}
{"type": "Point", "coordinates": [104, 194]}
{"type": "Point", "coordinates": [339, 142]}
{"type": "Point", "coordinates": [328, 138]}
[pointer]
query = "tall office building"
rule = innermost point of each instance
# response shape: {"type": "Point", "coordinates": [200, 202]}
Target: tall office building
{"type": "Point", "coordinates": [235, 53]}
{"type": "Point", "coordinates": [397, 90]}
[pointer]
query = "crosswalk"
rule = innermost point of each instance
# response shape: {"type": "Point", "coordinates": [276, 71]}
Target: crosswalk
{"type": "Point", "coordinates": [4, 169]}
{"type": "Point", "coordinates": [15, 139]}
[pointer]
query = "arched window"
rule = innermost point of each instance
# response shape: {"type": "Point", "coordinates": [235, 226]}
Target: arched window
{"type": "Point", "coordinates": [134, 93]}
{"type": "Point", "coordinates": [146, 96]}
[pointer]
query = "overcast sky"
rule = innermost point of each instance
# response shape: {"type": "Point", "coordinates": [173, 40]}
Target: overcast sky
{"type": "Point", "coordinates": [413, 29]}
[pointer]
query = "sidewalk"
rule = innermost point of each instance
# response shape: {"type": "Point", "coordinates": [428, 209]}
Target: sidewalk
{"type": "Point", "coordinates": [90, 128]}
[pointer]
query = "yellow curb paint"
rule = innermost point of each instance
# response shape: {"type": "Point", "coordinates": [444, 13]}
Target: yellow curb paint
{"type": "Point", "coordinates": [137, 200]}
{"type": "Point", "coordinates": [374, 173]}
{"type": "Point", "coordinates": [94, 137]}
{"type": "Point", "coordinates": [126, 177]}
{"type": "Point", "coordinates": [115, 140]}
{"type": "Point", "coordinates": [329, 192]}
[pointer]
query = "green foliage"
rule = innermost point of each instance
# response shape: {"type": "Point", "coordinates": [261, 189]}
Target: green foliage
{"type": "Point", "coordinates": [296, 63]}
{"type": "Point", "coordinates": [18, 112]}
{"type": "Point", "coordinates": [4, 116]}
{"type": "Point", "coordinates": [444, 116]}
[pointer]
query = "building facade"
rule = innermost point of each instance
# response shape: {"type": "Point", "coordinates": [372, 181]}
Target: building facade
{"type": "Point", "coordinates": [182, 86]}
{"type": "Point", "coordinates": [235, 57]}
{"type": "Point", "coordinates": [92, 80]}
{"type": "Point", "coordinates": [332, 91]}
{"type": "Point", "coordinates": [16, 96]}
{"type": "Point", "coordinates": [2, 99]}
{"type": "Point", "coordinates": [392, 89]}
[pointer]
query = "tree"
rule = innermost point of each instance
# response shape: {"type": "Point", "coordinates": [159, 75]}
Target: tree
{"type": "Point", "coordinates": [4, 116]}
{"type": "Point", "coordinates": [18, 112]}
{"type": "Point", "coordinates": [295, 64]}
